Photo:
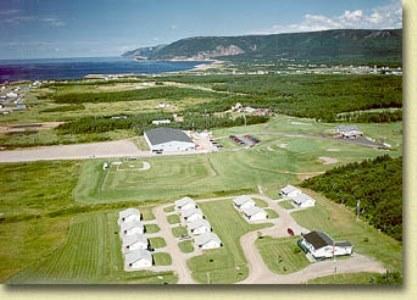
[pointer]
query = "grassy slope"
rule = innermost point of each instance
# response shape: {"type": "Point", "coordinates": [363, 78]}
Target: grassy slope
{"type": "Point", "coordinates": [355, 278]}
{"type": "Point", "coordinates": [228, 263]}
{"type": "Point", "coordinates": [91, 254]}
{"type": "Point", "coordinates": [341, 224]}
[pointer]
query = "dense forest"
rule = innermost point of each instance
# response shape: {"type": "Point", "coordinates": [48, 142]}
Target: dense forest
{"type": "Point", "coordinates": [376, 183]}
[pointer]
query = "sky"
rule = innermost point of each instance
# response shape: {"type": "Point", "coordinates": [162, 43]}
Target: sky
{"type": "Point", "coordinates": [92, 28]}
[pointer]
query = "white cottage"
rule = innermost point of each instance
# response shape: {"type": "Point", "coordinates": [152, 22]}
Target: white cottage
{"type": "Point", "coordinates": [191, 215]}
{"type": "Point", "coordinates": [132, 227]}
{"type": "Point", "coordinates": [303, 201]}
{"type": "Point", "coordinates": [185, 204]}
{"type": "Point", "coordinates": [128, 215]}
{"type": "Point", "coordinates": [244, 201]}
{"type": "Point", "coordinates": [321, 246]}
{"type": "Point", "coordinates": [134, 242]}
{"type": "Point", "coordinates": [208, 241]}
{"type": "Point", "coordinates": [199, 227]}
{"type": "Point", "coordinates": [255, 213]}
{"type": "Point", "coordinates": [137, 260]}
{"type": "Point", "coordinates": [289, 191]}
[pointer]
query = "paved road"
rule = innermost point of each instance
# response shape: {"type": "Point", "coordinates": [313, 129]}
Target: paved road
{"type": "Point", "coordinates": [121, 148]}
{"type": "Point", "coordinates": [179, 259]}
{"type": "Point", "coordinates": [259, 272]}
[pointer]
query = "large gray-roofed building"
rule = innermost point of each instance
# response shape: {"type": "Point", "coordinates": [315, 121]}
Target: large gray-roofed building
{"type": "Point", "coordinates": [168, 139]}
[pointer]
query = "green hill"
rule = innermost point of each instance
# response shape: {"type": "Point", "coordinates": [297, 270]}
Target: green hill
{"type": "Point", "coordinates": [341, 46]}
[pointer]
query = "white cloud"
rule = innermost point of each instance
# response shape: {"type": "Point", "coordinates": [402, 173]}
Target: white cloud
{"type": "Point", "coordinates": [14, 18]}
{"type": "Point", "coordinates": [381, 17]}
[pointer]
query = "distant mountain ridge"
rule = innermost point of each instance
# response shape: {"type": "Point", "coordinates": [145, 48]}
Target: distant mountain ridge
{"type": "Point", "coordinates": [341, 43]}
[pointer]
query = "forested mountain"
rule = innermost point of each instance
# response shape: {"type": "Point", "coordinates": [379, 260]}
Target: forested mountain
{"type": "Point", "coordinates": [376, 183]}
{"type": "Point", "coordinates": [342, 45]}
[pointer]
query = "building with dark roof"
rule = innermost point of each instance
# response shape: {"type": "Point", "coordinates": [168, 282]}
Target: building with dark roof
{"type": "Point", "coordinates": [166, 139]}
{"type": "Point", "coordinates": [321, 246]}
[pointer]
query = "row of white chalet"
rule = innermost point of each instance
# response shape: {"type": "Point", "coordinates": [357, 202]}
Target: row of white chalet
{"type": "Point", "coordinates": [197, 224]}
{"type": "Point", "coordinates": [249, 209]}
{"type": "Point", "coordinates": [135, 245]}
{"type": "Point", "coordinates": [300, 199]}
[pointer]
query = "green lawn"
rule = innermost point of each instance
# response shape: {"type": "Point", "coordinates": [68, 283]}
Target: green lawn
{"type": "Point", "coordinates": [169, 209]}
{"type": "Point", "coordinates": [173, 219]}
{"type": "Point", "coordinates": [147, 214]}
{"type": "Point", "coordinates": [90, 254]}
{"type": "Point", "coordinates": [282, 256]}
{"type": "Point", "coordinates": [287, 204]}
{"type": "Point", "coordinates": [260, 202]}
{"type": "Point", "coordinates": [340, 222]}
{"type": "Point", "coordinates": [157, 242]}
{"type": "Point", "coordinates": [152, 228]}
{"type": "Point", "coordinates": [162, 259]}
{"type": "Point", "coordinates": [179, 231]}
{"type": "Point", "coordinates": [272, 214]}
{"type": "Point", "coordinates": [227, 264]}
{"type": "Point", "coordinates": [186, 246]}
{"type": "Point", "coordinates": [354, 278]}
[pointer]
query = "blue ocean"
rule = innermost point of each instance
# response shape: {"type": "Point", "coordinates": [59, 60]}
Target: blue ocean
{"type": "Point", "coordinates": [76, 68]}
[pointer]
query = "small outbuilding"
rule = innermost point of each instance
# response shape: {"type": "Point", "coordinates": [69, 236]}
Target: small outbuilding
{"type": "Point", "coordinates": [208, 241]}
{"type": "Point", "coordinates": [134, 242]}
{"type": "Point", "coordinates": [244, 201]}
{"type": "Point", "coordinates": [199, 227]}
{"type": "Point", "coordinates": [132, 227]}
{"type": "Point", "coordinates": [185, 203]}
{"type": "Point", "coordinates": [128, 215]}
{"type": "Point", "coordinates": [321, 246]}
{"type": "Point", "coordinates": [137, 260]}
{"type": "Point", "coordinates": [255, 213]}
{"type": "Point", "coordinates": [166, 139]}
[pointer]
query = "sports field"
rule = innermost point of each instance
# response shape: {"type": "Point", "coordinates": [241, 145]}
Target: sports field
{"type": "Point", "coordinates": [90, 254]}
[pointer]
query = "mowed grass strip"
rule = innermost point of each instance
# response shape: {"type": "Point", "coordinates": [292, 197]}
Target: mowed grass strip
{"type": "Point", "coordinates": [169, 209]}
{"type": "Point", "coordinates": [186, 246]}
{"type": "Point", "coordinates": [341, 223]}
{"type": "Point", "coordinates": [354, 278]}
{"type": "Point", "coordinates": [91, 254]}
{"type": "Point", "coordinates": [147, 213]}
{"type": "Point", "coordinates": [157, 242]}
{"type": "Point", "coordinates": [173, 219]}
{"type": "Point", "coordinates": [272, 214]}
{"type": "Point", "coordinates": [162, 259]}
{"type": "Point", "coordinates": [282, 256]}
{"type": "Point", "coordinates": [260, 203]}
{"type": "Point", "coordinates": [227, 264]}
{"type": "Point", "coordinates": [287, 204]}
{"type": "Point", "coordinates": [152, 228]}
{"type": "Point", "coordinates": [179, 231]}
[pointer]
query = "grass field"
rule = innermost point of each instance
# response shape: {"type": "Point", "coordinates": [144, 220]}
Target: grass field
{"type": "Point", "coordinates": [341, 224]}
{"type": "Point", "coordinates": [186, 246]}
{"type": "Point", "coordinates": [90, 254]}
{"type": "Point", "coordinates": [282, 256]}
{"type": "Point", "coordinates": [227, 264]}
{"type": "Point", "coordinates": [355, 278]}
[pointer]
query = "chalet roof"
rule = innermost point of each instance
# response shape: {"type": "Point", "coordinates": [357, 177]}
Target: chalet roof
{"type": "Point", "coordinates": [189, 212]}
{"type": "Point", "coordinates": [136, 255]}
{"type": "Point", "coordinates": [206, 238]}
{"type": "Point", "coordinates": [131, 225]}
{"type": "Point", "coordinates": [184, 201]}
{"type": "Point", "coordinates": [128, 212]}
{"type": "Point", "coordinates": [301, 198]}
{"type": "Point", "coordinates": [289, 189]}
{"type": "Point", "coordinates": [240, 200]}
{"type": "Point", "coordinates": [129, 240]}
{"type": "Point", "coordinates": [318, 239]}
{"type": "Point", "coordinates": [197, 224]}
{"type": "Point", "coordinates": [251, 211]}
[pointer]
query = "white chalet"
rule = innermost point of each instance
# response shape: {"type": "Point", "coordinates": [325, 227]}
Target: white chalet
{"type": "Point", "coordinates": [128, 215]}
{"type": "Point", "coordinates": [302, 200]}
{"type": "Point", "coordinates": [289, 191]}
{"type": "Point", "coordinates": [191, 215]}
{"type": "Point", "coordinates": [199, 227]}
{"type": "Point", "coordinates": [207, 241]}
{"type": "Point", "coordinates": [132, 227]}
{"type": "Point", "coordinates": [321, 246]}
{"type": "Point", "coordinates": [185, 203]}
{"type": "Point", "coordinates": [134, 242]}
{"type": "Point", "coordinates": [242, 202]}
{"type": "Point", "coordinates": [137, 260]}
{"type": "Point", "coordinates": [349, 132]}
{"type": "Point", "coordinates": [255, 213]}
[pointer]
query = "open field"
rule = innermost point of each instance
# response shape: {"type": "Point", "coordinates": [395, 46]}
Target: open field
{"type": "Point", "coordinates": [282, 256]}
{"type": "Point", "coordinates": [90, 254]}
{"type": "Point", "coordinates": [340, 223]}
{"type": "Point", "coordinates": [227, 264]}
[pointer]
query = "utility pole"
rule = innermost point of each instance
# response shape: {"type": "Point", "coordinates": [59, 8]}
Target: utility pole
{"type": "Point", "coordinates": [358, 209]}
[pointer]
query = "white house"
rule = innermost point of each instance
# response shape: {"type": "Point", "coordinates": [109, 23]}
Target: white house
{"type": "Point", "coordinates": [191, 215]}
{"type": "Point", "coordinates": [244, 201]}
{"type": "Point", "coordinates": [199, 227]}
{"type": "Point", "coordinates": [128, 215]}
{"type": "Point", "coordinates": [321, 246]}
{"type": "Point", "coordinates": [134, 242]}
{"type": "Point", "coordinates": [185, 203]}
{"type": "Point", "coordinates": [168, 140]}
{"type": "Point", "coordinates": [207, 241]}
{"type": "Point", "coordinates": [255, 213]}
{"type": "Point", "coordinates": [289, 191]}
{"type": "Point", "coordinates": [349, 132]}
{"type": "Point", "coordinates": [302, 200]}
{"type": "Point", "coordinates": [137, 260]}
{"type": "Point", "coordinates": [132, 227]}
